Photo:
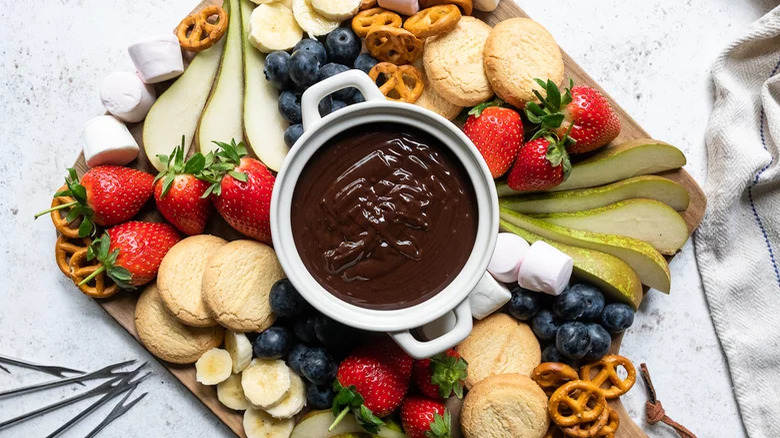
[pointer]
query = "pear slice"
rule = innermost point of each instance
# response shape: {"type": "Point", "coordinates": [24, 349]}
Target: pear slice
{"type": "Point", "coordinates": [643, 156]}
{"type": "Point", "coordinates": [263, 125]}
{"type": "Point", "coordinates": [646, 261]}
{"type": "Point", "coordinates": [647, 186]}
{"type": "Point", "coordinates": [610, 274]}
{"type": "Point", "coordinates": [645, 219]}
{"type": "Point", "coordinates": [177, 111]}
{"type": "Point", "coordinates": [316, 423]}
{"type": "Point", "coordinates": [222, 118]}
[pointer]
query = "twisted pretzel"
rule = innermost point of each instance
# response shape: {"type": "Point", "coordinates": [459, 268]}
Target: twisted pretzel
{"type": "Point", "coordinates": [551, 375]}
{"type": "Point", "coordinates": [64, 250]}
{"type": "Point", "coordinates": [576, 402]}
{"type": "Point", "coordinates": [606, 372]}
{"type": "Point", "coordinates": [80, 268]}
{"type": "Point", "coordinates": [433, 21]}
{"type": "Point", "coordinates": [59, 217]}
{"type": "Point", "coordinates": [612, 425]}
{"type": "Point", "coordinates": [465, 5]}
{"type": "Point", "coordinates": [196, 33]}
{"type": "Point", "coordinates": [365, 20]}
{"type": "Point", "coordinates": [391, 44]}
{"type": "Point", "coordinates": [366, 4]}
{"type": "Point", "coordinates": [588, 429]}
{"type": "Point", "coordinates": [401, 84]}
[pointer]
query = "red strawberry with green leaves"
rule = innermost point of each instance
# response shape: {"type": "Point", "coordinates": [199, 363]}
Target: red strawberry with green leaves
{"type": "Point", "coordinates": [582, 111]}
{"type": "Point", "coordinates": [241, 190]}
{"type": "Point", "coordinates": [131, 253]}
{"type": "Point", "coordinates": [425, 418]}
{"type": "Point", "coordinates": [179, 193]}
{"type": "Point", "coordinates": [497, 133]}
{"type": "Point", "coordinates": [541, 164]}
{"type": "Point", "coordinates": [105, 196]}
{"type": "Point", "coordinates": [442, 375]}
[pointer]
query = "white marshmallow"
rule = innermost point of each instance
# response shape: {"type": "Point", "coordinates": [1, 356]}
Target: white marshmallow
{"type": "Point", "coordinates": [505, 262]}
{"type": "Point", "coordinates": [157, 58]}
{"type": "Point", "coordinates": [108, 141]}
{"type": "Point", "coordinates": [126, 96]}
{"type": "Point", "coordinates": [545, 269]}
{"type": "Point", "coordinates": [486, 5]}
{"type": "Point", "coordinates": [487, 297]}
{"type": "Point", "coordinates": [403, 7]}
{"type": "Point", "coordinates": [439, 327]}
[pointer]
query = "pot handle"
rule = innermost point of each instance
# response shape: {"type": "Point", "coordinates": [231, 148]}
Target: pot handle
{"type": "Point", "coordinates": [350, 78]}
{"type": "Point", "coordinates": [424, 349]}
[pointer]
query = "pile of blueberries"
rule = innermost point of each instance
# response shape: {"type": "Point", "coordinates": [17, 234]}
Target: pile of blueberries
{"type": "Point", "coordinates": [575, 326]}
{"type": "Point", "coordinates": [311, 343]}
{"type": "Point", "coordinates": [310, 62]}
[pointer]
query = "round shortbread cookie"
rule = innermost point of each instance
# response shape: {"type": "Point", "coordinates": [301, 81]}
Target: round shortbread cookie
{"type": "Point", "coordinates": [180, 279]}
{"type": "Point", "coordinates": [454, 66]}
{"type": "Point", "coordinates": [166, 337]}
{"type": "Point", "coordinates": [430, 99]}
{"type": "Point", "coordinates": [506, 406]}
{"type": "Point", "coordinates": [237, 285]}
{"type": "Point", "coordinates": [499, 344]}
{"type": "Point", "coordinates": [517, 51]}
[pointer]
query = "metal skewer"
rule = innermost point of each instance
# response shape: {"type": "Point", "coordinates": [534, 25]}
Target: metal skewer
{"type": "Point", "coordinates": [53, 370]}
{"type": "Point", "coordinates": [102, 373]}
{"type": "Point", "coordinates": [4, 369]}
{"type": "Point", "coordinates": [120, 409]}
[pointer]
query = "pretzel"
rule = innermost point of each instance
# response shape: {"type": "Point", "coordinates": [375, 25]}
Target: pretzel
{"type": "Point", "coordinates": [366, 4]}
{"type": "Point", "coordinates": [576, 402]}
{"type": "Point", "coordinates": [606, 372]}
{"type": "Point", "coordinates": [196, 33]}
{"type": "Point", "coordinates": [402, 84]}
{"type": "Point", "coordinates": [465, 5]}
{"type": "Point", "coordinates": [589, 429]}
{"type": "Point", "coordinates": [59, 217]}
{"type": "Point", "coordinates": [612, 425]}
{"type": "Point", "coordinates": [433, 21]}
{"type": "Point", "coordinates": [64, 250]}
{"type": "Point", "coordinates": [391, 44]}
{"type": "Point", "coordinates": [364, 21]}
{"type": "Point", "coordinates": [80, 268]}
{"type": "Point", "coordinates": [551, 375]}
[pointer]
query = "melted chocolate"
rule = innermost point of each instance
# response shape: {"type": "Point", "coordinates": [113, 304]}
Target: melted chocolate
{"type": "Point", "coordinates": [384, 216]}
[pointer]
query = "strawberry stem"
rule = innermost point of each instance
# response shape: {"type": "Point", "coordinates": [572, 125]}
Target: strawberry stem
{"type": "Point", "coordinates": [97, 272]}
{"type": "Point", "coordinates": [59, 207]}
{"type": "Point", "coordinates": [338, 419]}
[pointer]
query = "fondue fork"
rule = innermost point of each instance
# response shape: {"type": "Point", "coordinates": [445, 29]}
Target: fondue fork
{"type": "Point", "coordinates": [53, 370]}
{"type": "Point", "coordinates": [102, 373]}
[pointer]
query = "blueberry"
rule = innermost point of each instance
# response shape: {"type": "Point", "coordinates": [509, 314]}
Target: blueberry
{"type": "Point", "coordinates": [313, 46]}
{"type": "Point", "coordinates": [319, 367]}
{"type": "Point", "coordinates": [277, 69]}
{"type": "Point", "coordinates": [573, 340]}
{"type": "Point", "coordinates": [320, 396]}
{"type": "Point", "coordinates": [273, 343]}
{"type": "Point", "coordinates": [304, 68]}
{"type": "Point", "coordinates": [290, 106]}
{"type": "Point", "coordinates": [570, 305]}
{"type": "Point", "coordinates": [356, 98]}
{"type": "Point", "coordinates": [343, 46]}
{"type": "Point", "coordinates": [304, 330]}
{"type": "Point", "coordinates": [594, 301]}
{"type": "Point", "coordinates": [333, 334]}
{"type": "Point", "coordinates": [617, 317]}
{"type": "Point", "coordinates": [337, 105]}
{"type": "Point", "coordinates": [295, 357]}
{"type": "Point", "coordinates": [551, 354]}
{"type": "Point", "coordinates": [325, 105]}
{"type": "Point", "coordinates": [286, 302]}
{"type": "Point", "coordinates": [544, 325]}
{"type": "Point", "coordinates": [365, 62]}
{"type": "Point", "coordinates": [524, 303]}
{"type": "Point", "coordinates": [332, 69]}
{"type": "Point", "coordinates": [292, 134]}
{"type": "Point", "coordinates": [599, 342]}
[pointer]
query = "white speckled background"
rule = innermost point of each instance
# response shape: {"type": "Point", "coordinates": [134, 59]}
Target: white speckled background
{"type": "Point", "coordinates": [652, 56]}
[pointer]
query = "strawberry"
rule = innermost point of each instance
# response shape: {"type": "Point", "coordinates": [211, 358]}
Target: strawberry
{"type": "Point", "coordinates": [371, 382]}
{"type": "Point", "coordinates": [583, 112]}
{"type": "Point", "coordinates": [131, 253]}
{"type": "Point", "coordinates": [179, 193]}
{"type": "Point", "coordinates": [441, 376]}
{"type": "Point", "coordinates": [425, 418]}
{"type": "Point", "coordinates": [105, 196]}
{"type": "Point", "coordinates": [241, 190]}
{"type": "Point", "coordinates": [541, 164]}
{"type": "Point", "coordinates": [497, 133]}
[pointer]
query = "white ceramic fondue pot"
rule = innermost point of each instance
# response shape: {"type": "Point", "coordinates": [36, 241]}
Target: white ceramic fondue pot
{"type": "Point", "coordinates": [317, 131]}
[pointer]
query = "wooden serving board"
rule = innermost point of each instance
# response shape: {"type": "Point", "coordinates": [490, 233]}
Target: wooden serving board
{"type": "Point", "coordinates": [122, 306]}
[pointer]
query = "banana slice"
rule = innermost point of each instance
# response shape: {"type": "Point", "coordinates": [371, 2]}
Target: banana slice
{"type": "Point", "coordinates": [240, 349]}
{"type": "Point", "coordinates": [266, 382]}
{"type": "Point", "coordinates": [213, 367]}
{"type": "Point", "coordinates": [312, 22]}
{"type": "Point", "coordinates": [272, 26]}
{"type": "Point", "coordinates": [231, 394]}
{"type": "Point", "coordinates": [336, 10]}
{"type": "Point", "coordinates": [258, 424]}
{"type": "Point", "coordinates": [294, 402]}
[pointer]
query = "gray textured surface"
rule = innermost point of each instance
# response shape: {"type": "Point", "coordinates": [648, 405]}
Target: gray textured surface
{"type": "Point", "coordinates": [653, 57]}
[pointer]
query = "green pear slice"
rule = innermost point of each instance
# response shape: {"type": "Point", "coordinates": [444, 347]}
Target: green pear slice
{"type": "Point", "coordinates": [263, 125]}
{"type": "Point", "coordinates": [647, 186]}
{"type": "Point", "coordinates": [222, 118]}
{"type": "Point", "coordinates": [646, 261]}
{"type": "Point", "coordinates": [177, 111]}
{"type": "Point", "coordinates": [610, 274]}
{"type": "Point", "coordinates": [644, 219]}
{"type": "Point", "coordinates": [316, 424]}
{"type": "Point", "coordinates": [643, 156]}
